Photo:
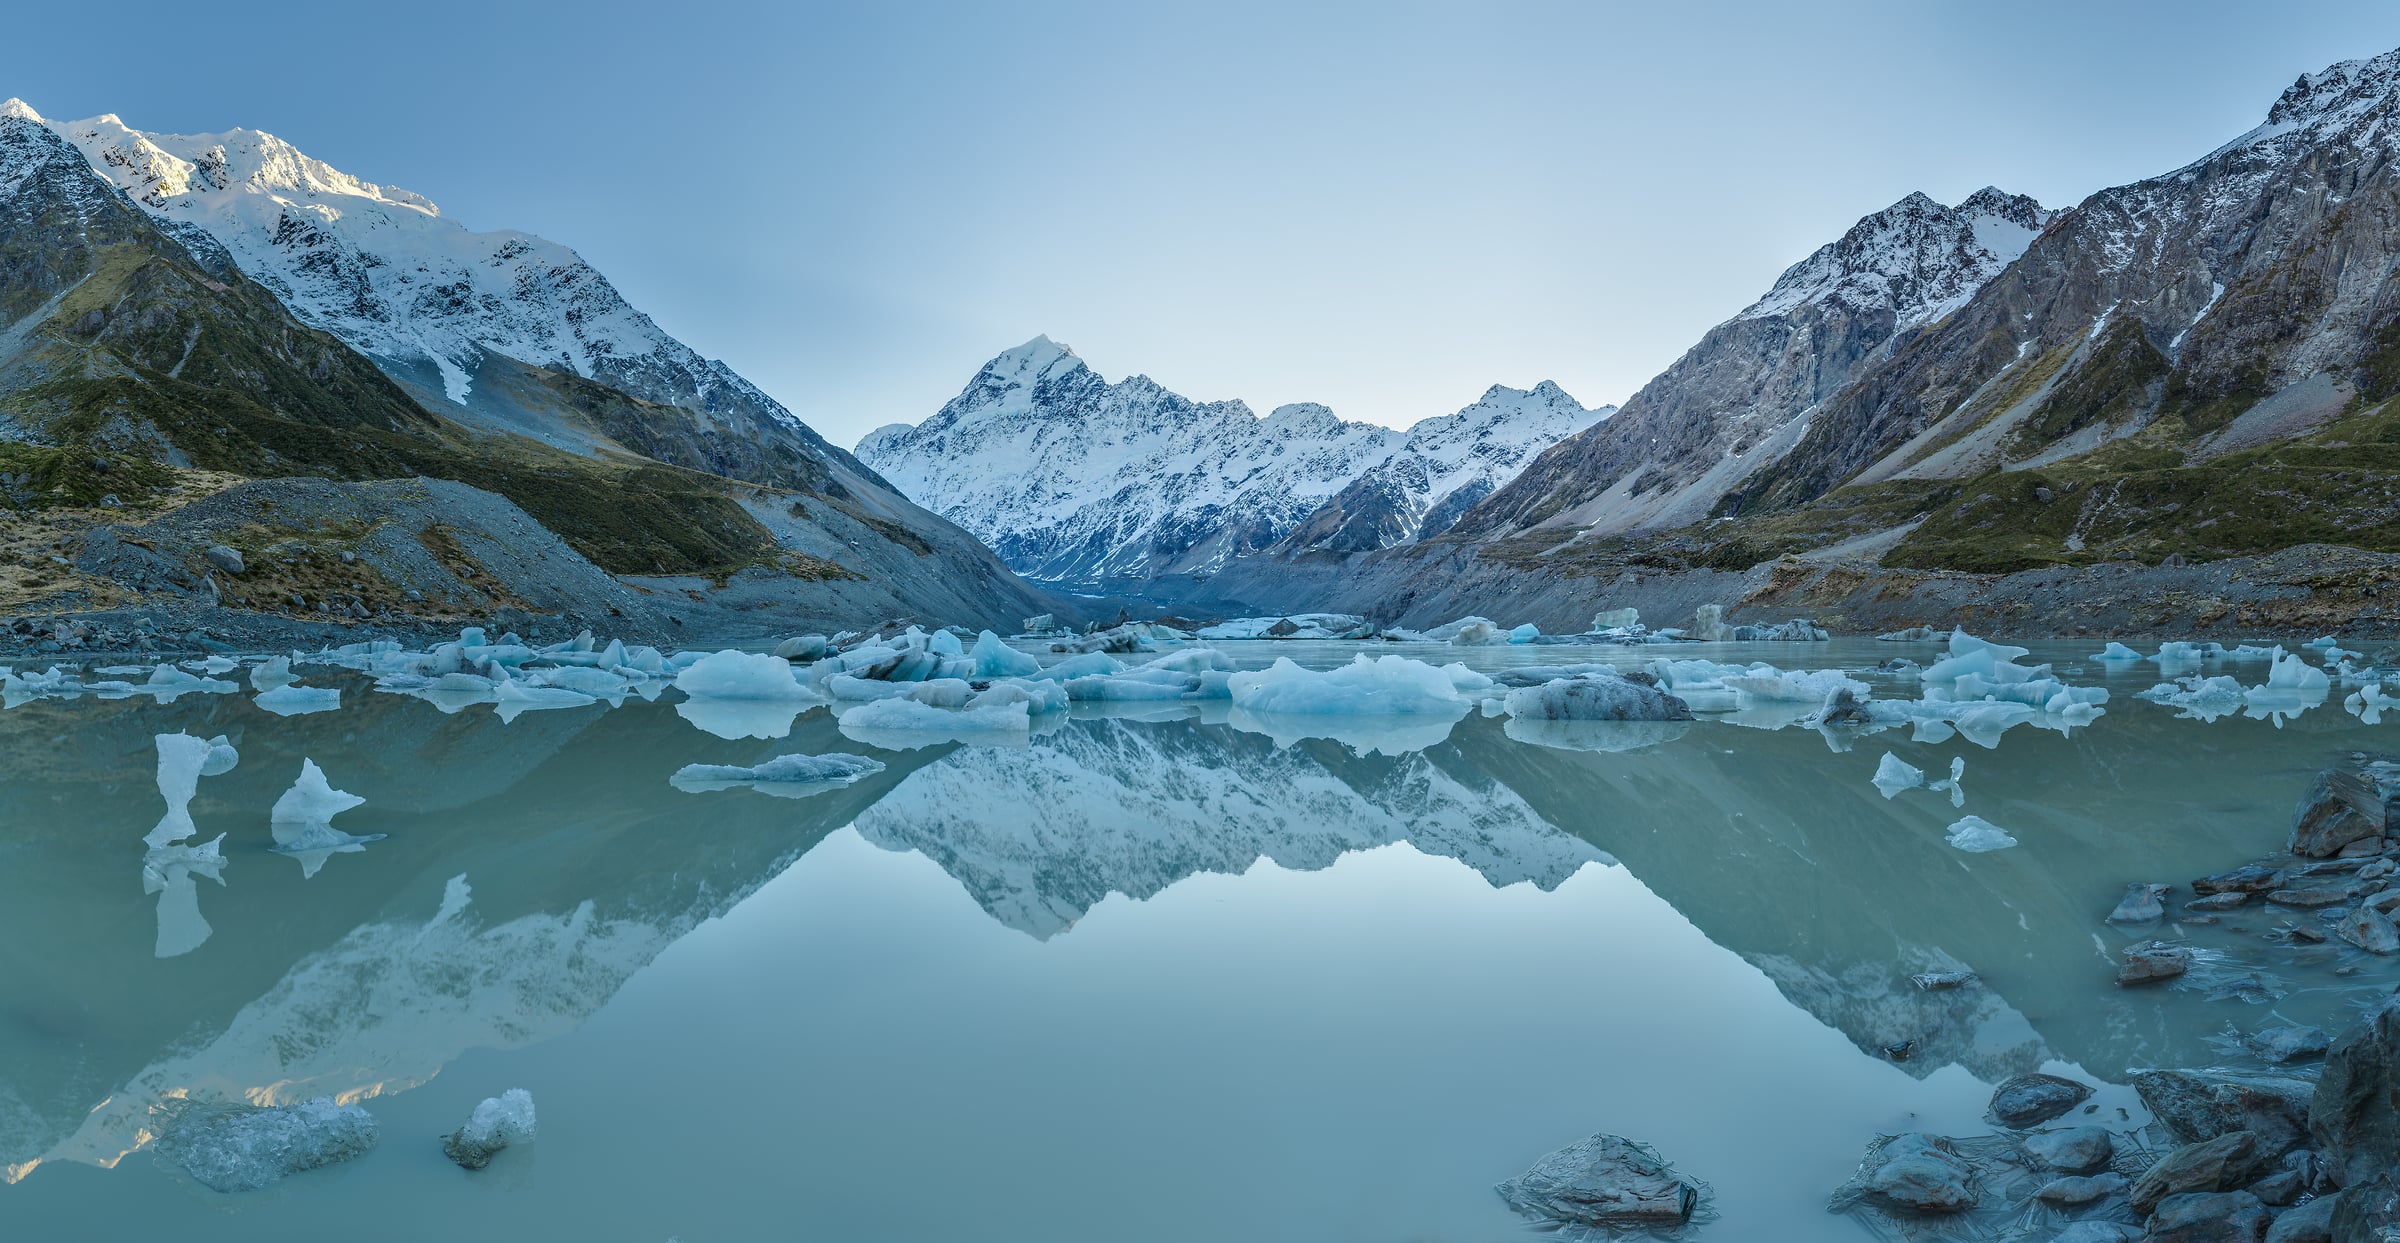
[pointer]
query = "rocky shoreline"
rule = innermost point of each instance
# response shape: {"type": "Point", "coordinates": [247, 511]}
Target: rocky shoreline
{"type": "Point", "coordinates": [2293, 1137]}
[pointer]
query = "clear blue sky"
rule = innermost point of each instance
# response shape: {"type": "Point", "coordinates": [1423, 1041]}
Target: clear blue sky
{"type": "Point", "coordinates": [1382, 207]}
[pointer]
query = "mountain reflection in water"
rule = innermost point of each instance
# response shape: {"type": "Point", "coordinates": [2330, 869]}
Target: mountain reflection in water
{"type": "Point", "coordinates": [529, 869]}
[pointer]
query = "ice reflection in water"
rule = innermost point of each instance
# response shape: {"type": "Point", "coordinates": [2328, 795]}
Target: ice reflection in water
{"type": "Point", "coordinates": [1065, 957]}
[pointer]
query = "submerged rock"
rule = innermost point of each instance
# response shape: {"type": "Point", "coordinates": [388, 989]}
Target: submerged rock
{"type": "Point", "coordinates": [1604, 1180]}
{"type": "Point", "coordinates": [245, 1147]}
{"type": "Point", "coordinates": [2030, 1100]}
{"type": "Point", "coordinates": [2097, 1232]}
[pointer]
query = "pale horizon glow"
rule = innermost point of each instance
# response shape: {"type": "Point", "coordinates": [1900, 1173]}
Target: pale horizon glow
{"type": "Point", "coordinates": [1382, 208]}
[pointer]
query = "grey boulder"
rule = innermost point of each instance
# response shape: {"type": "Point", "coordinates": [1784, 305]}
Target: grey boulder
{"type": "Point", "coordinates": [2072, 1150]}
{"type": "Point", "coordinates": [2030, 1100]}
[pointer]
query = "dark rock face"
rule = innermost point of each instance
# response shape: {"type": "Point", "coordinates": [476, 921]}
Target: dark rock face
{"type": "Point", "coordinates": [2327, 818]}
{"type": "Point", "coordinates": [2209, 1217]}
{"type": "Point", "coordinates": [2030, 1100]}
{"type": "Point", "coordinates": [2195, 1106]}
{"type": "Point", "coordinates": [2355, 1116]}
{"type": "Point", "coordinates": [2367, 1213]}
{"type": "Point", "coordinates": [2207, 1166]}
{"type": "Point", "coordinates": [1604, 1180]}
{"type": "Point", "coordinates": [2309, 1223]}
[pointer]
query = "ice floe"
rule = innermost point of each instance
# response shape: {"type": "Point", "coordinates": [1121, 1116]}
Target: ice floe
{"type": "Point", "coordinates": [1976, 835]}
{"type": "Point", "coordinates": [232, 1148]}
{"type": "Point", "coordinates": [498, 1122]}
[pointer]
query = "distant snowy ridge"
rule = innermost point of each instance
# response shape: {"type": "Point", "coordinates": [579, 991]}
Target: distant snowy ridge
{"type": "Point", "coordinates": [1917, 258]}
{"type": "Point", "coordinates": [381, 268]}
{"type": "Point", "coordinates": [1072, 478]}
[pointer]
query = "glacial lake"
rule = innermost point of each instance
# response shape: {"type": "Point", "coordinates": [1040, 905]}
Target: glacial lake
{"type": "Point", "coordinates": [1148, 975]}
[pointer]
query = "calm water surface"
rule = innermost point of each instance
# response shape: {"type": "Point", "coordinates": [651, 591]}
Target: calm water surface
{"type": "Point", "coordinates": [1150, 976]}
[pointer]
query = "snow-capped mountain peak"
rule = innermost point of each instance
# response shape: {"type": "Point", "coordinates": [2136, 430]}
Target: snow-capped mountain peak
{"type": "Point", "coordinates": [18, 108]}
{"type": "Point", "coordinates": [382, 268]}
{"type": "Point", "coordinates": [1916, 258]}
{"type": "Point", "coordinates": [1070, 477]}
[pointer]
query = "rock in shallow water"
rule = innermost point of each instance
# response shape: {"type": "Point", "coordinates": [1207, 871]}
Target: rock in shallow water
{"type": "Point", "coordinates": [244, 1147]}
{"type": "Point", "coordinates": [2355, 1116]}
{"type": "Point", "coordinates": [2140, 905]}
{"type": "Point", "coordinates": [1921, 1174]}
{"type": "Point", "coordinates": [2030, 1100]}
{"type": "Point", "coordinates": [2152, 961]}
{"type": "Point", "coordinates": [2289, 1044]}
{"type": "Point", "coordinates": [2369, 930]}
{"type": "Point", "coordinates": [2073, 1150]}
{"type": "Point", "coordinates": [1604, 1180]}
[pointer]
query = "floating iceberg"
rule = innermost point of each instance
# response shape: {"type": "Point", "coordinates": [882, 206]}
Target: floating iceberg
{"type": "Point", "coordinates": [1595, 698]}
{"type": "Point", "coordinates": [1893, 775]}
{"type": "Point", "coordinates": [2288, 672]}
{"type": "Point", "coordinates": [245, 1147]}
{"type": "Point", "coordinates": [497, 1123]}
{"type": "Point", "coordinates": [740, 675]}
{"type": "Point", "coordinates": [996, 659]}
{"type": "Point", "coordinates": [181, 759]}
{"type": "Point", "coordinates": [312, 800]}
{"type": "Point", "coordinates": [1977, 835]}
{"type": "Point", "coordinates": [1385, 686]}
{"type": "Point", "coordinates": [2116, 651]}
{"type": "Point", "coordinates": [911, 724]}
{"type": "Point", "coordinates": [785, 776]}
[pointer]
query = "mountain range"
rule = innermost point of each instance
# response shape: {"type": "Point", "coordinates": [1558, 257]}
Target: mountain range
{"type": "Point", "coordinates": [2188, 368]}
{"type": "Point", "coordinates": [225, 304]}
{"type": "Point", "coordinates": [1074, 479]}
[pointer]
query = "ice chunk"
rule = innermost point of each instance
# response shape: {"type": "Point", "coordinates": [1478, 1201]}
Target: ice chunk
{"type": "Point", "coordinates": [1036, 696]}
{"type": "Point", "coordinates": [740, 675]}
{"type": "Point", "coordinates": [1894, 775]}
{"type": "Point", "coordinates": [292, 699]}
{"type": "Point", "coordinates": [1977, 835]}
{"type": "Point", "coordinates": [1615, 619]}
{"type": "Point", "coordinates": [799, 647]}
{"type": "Point", "coordinates": [1130, 689]}
{"type": "Point", "coordinates": [245, 1147]}
{"type": "Point", "coordinates": [496, 1124]}
{"type": "Point", "coordinates": [2116, 651]}
{"type": "Point", "coordinates": [2368, 702]}
{"type": "Point", "coordinates": [1189, 660]}
{"type": "Point", "coordinates": [273, 673]}
{"type": "Point", "coordinates": [1598, 698]}
{"type": "Point", "coordinates": [1526, 633]}
{"type": "Point", "coordinates": [2290, 673]}
{"type": "Point", "coordinates": [1080, 666]}
{"type": "Point", "coordinates": [2177, 652]}
{"type": "Point", "coordinates": [994, 658]}
{"type": "Point", "coordinates": [1765, 683]}
{"type": "Point", "coordinates": [785, 776]}
{"type": "Point", "coordinates": [2323, 641]}
{"type": "Point", "coordinates": [181, 758]}
{"type": "Point", "coordinates": [1389, 685]}
{"type": "Point", "coordinates": [312, 800]}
